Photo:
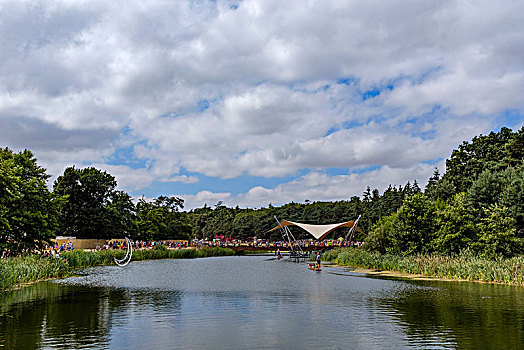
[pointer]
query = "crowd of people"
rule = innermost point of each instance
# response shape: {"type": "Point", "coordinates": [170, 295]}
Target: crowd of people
{"type": "Point", "coordinates": [261, 243]}
{"type": "Point", "coordinates": [56, 249]}
{"type": "Point", "coordinates": [117, 244]}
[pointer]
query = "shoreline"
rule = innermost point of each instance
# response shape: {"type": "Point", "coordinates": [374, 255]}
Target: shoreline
{"type": "Point", "coordinates": [69, 270]}
{"type": "Point", "coordinates": [463, 268]}
{"type": "Point", "coordinates": [404, 275]}
{"type": "Point", "coordinates": [18, 272]}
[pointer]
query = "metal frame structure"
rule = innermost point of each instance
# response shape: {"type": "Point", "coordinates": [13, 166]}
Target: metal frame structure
{"type": "Point", "coordinates": [296, 254]}
{"type": "Point", "coordinates": [352, 230]}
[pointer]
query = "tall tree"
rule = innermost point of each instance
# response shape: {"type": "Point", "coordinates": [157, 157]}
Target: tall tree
{"type": "Point", "coordinates": [484, 152]}
{"type": "Point", "coordinates": [414, 225]}
{"type": "Point", "coordinates": [89, 192]}
{"type": "Point", "coordinates": [432, 184]}
{"type": "Point", "coordinates": [121, 218]}
{"type": "Point", "coordinates": [456, 228]}
{"type": "Point", "coordinates": [28, 211]}
{"type": "Point", "coordinates": [161, 219]}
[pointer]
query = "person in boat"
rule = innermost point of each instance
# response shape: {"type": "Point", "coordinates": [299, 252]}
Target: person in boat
{"type": "Point", "coordinates": [317, 265]}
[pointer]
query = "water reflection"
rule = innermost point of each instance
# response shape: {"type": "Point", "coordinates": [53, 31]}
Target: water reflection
{"type": "Point", "coordinates": [248, 302]}
{"type": "Point", "coordinates": [46, 312]}
{"type": "Point", "coordinates": [470, 315]}
{"type": "Point", "coordinates": [52, 315]}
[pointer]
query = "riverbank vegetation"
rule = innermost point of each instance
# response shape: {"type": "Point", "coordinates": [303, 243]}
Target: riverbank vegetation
{"type": "Point", "coordinates": [31, 268]}
{"type": "Point", "coordinates": [465, 266]}
{"type": "Point", "coordinates": [25, 269]}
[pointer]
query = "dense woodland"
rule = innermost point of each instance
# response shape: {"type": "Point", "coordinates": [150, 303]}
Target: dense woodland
{"type": "Point", "coordinates": [478, 204]}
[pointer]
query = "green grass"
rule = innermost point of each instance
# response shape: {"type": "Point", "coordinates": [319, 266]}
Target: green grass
{"type": "Point", "coordinates": [465, 266]}
{"type": "Point", "coordinates": [20, 270]}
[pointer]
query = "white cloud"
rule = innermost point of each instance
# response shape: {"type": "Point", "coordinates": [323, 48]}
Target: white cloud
{"type": "Point", "coordinates": [204, 197]}
{"type": "Point", "coordinates": [126, 177]}
{"type": "Point", "coordinates": [225, 92]}
{"type": "Point", "coordinates": [182, 178]}
{"type": "Point", "coordinates": [319, 186]}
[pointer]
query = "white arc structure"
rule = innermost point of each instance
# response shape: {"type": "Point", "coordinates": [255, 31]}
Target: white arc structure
{"type": "Point", "coordinates": [127, 257]}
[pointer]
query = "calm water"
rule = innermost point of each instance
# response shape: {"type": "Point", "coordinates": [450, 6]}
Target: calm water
{"type": "Point", "coordinates": [255, 302]}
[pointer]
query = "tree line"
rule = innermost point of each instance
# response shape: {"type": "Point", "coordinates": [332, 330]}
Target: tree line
{"type": "Point", "coordinates": [477, 204]}
{"type": "Point", "coordinates": [83, 203]}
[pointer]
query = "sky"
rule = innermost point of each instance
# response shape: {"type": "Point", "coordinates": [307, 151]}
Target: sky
{"type": "Point", "coordinates": [257, 102]}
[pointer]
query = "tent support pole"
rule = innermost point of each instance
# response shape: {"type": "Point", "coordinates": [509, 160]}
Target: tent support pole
{"type": "Point", "coordinates": [352, 229]}
{"type": "Point", "coordinates": [286, 233]}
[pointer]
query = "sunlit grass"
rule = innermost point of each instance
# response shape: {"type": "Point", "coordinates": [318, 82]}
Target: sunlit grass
{"type": "Point", "coordinates": [20, 270]}
{"type": "Point", "coordinates": [465, 266]}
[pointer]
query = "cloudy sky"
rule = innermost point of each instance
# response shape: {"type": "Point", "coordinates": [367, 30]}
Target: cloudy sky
{"type": "Point", "coordinates": [257, 102]}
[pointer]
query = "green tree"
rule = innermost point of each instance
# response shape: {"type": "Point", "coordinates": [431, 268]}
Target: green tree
{"type": "Point", "coordinates": [497, 234]}
{"type": "Point", "coordinates": [28, 211]}
{"type": "Point", "coordinates": [432, 184]}
{"type": "Point", "coordinates": [456, 229]}
{"type": "Point", "coordinates": [220, 223]}
{"type": "Point", "coordinates": [161, 219]}
{"type": "Point", "coordinates": [244, 225]}
{"type": "Point", "coordinates": [514, 149]}
{"type": "Point", "coordinates": [513, 198]}
{"type": "Point", "coordinates": [121, 215]}
{"type": "Point", "coordinates": [486, 190]}
{"type": "Point", "coordinates": [414, 225]}
{"type": "Point", "coordinates": [487, 152]}
{"type": "Point", "coordinates": [89, 192]}
{"type": "Point", "coordinates": [380, 238]}
{"type": "Point", "coordinates": [443, 189]}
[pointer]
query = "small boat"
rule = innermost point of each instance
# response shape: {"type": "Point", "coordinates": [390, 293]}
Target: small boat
{"type": "Point", "coordinates": [314, 267]}
{"type": "Point", "coordinates": [279, 257]}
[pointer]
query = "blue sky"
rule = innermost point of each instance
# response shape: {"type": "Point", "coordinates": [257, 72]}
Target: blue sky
{"type": "Point", "coordinates": [257, 102]}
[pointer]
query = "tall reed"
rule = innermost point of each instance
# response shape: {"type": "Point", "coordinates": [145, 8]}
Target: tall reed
{"type": "Point", "coordinates": [19, 270]}
{"type": "Point", "coordinates": [464, 266]}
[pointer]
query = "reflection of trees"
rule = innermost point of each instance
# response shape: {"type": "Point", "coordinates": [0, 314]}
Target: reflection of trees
{"type": "Point", "coordinates": [60, 314]}
{"type": "Point", "coordinates": [472, 316]}
{"type": "Point", "coordinates": [70, 316]}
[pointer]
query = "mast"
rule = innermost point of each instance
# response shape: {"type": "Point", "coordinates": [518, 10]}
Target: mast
{"type": "Point", "coordinates": [352, 230]}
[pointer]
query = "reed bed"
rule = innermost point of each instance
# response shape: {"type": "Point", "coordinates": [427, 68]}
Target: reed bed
{"type": "Point", "coordinates": [21, 270]}
{"type": "Point", "coordinates": [80, 258]}
{"type": "Point", "coordinates": [465, 266]}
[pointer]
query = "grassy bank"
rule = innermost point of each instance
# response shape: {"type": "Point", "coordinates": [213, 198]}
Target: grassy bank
{"type": "Point", "coordinates": [20, 270]}
{"type": "Point", "coordinates": [78, 258]}
{"type": "Point", "coordinates": [465, 266]}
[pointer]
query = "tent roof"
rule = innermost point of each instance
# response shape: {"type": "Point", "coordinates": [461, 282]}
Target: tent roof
{"type": "Point", "coordinates": [318, 231]}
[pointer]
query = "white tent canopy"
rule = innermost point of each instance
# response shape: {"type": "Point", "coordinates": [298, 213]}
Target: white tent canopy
{"type": "Point", "coordinates": [318, 231]}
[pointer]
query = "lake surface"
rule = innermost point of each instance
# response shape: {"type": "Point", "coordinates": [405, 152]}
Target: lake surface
{"type": "Point", "coordinates": [256, 302]}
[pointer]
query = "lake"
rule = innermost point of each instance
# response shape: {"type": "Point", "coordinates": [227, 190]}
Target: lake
{"type": "Point", "coordinates": [256, 302]}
